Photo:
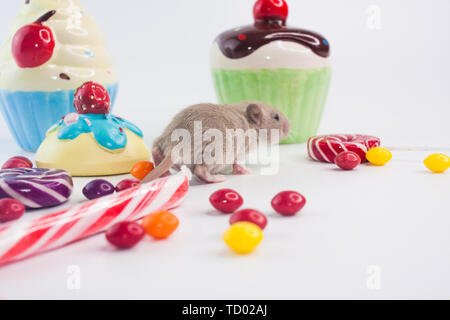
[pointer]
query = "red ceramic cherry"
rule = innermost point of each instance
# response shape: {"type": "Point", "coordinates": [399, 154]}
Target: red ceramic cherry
{"type": "Point", "coordinates": [125, 235]}
{"type": "Point", "coordinates": [271, 10]}
{"type": "Point", "coordinates": [347, 160]}
{"type": "Point", "coordinates": [127, 184]}
{"type": "Point", "coordinates": [249, 215]}
{"type": "Point", "coordinates": [17, 162]}
{"type": "Point", "coordinates": [226, 200]}
{"type": "Point", "coordinates": [11, 209]}
{"type": "Point", "coordinates": [93, 98]}
{"type": "Point", "coordinates": [33, 44]}
{"type": "Point", "coordinates": [288, 203]}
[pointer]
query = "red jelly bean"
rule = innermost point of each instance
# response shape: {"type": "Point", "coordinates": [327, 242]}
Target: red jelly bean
{"type": "Point", "coordinates": [347, 160]}
{"type": "Point", "coordinates": [288, 203]}
{"type": "Point", "coordinates": [11, 209]}
{"type": "Point", "coordinates": [249, 215]}
{"type": "Point", "coordinates": [226, 200]}
{"type": "Point", "coordinates": [125, 235]}
{"type": "Point", "coordinates": [24, 159]}
{"type": "Point", "coordinates": [126, 184]}
{"type": "Point", "coordinates": [17, 162]}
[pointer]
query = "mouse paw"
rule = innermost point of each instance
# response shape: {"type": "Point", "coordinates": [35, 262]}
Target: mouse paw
{"type": "Point", "coordinates": [218, 178]}
{"type": "Point", "coordinates": [158, 156]}
{"type": "Point", "coordinates": [203, 174]}
{"type": "Point", "coordinates": [240, 169]}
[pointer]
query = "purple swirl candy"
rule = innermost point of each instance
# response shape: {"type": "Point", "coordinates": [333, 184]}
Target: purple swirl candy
{"type": "Point", "coordinates": [36, 187]}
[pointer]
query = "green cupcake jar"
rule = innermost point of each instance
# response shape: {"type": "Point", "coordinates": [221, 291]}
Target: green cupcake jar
{"type": "Point", "coordinates": [288, 68]}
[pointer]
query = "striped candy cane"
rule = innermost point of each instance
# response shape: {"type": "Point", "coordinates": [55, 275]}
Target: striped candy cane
{"type": "Point", "coordinates": [22, 240]}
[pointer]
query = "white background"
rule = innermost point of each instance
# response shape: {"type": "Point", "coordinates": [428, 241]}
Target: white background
{"type": "Point", "coordinates": [392, 82]}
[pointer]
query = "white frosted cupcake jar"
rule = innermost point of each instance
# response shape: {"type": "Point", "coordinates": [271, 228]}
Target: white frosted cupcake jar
{"type": "Point", "coordinates": [37, 84]}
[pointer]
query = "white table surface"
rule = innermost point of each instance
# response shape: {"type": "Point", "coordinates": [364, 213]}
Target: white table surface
{"type": "Point", "coordinates": [390, 224]}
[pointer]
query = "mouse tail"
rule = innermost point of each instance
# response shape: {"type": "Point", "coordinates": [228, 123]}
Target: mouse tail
{"type": "Point", "coordinates": [165, 165]}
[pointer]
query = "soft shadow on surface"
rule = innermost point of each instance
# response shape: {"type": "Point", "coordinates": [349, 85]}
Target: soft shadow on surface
{"type": "Point", "coordinates": [215, 213]}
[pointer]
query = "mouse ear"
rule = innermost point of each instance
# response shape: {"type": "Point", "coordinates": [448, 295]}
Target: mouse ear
{"type": "Point", "coordinates": [255, 114]}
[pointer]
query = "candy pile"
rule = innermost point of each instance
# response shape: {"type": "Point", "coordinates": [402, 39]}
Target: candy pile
{"type": "Point", "coordinates": [127, 234]}
{"type": "Point", "coordinates": [245, 233]}
{"type": "Point", "coordinates": [21, 240]}
{"type": "Point", "coordinates": [100, 188]}
{"type": "Point", "coordinates": [348, 151]}
{"type": "Point", "coordinates": [326, 148]}
{"type": "Point", "coordinates": [22, 186]}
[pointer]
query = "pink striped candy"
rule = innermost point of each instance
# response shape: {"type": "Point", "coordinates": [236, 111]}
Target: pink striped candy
{"type": "Point", "coordinates": [27, 238]}
{"type": "Point", "coordinates": [326, 148]}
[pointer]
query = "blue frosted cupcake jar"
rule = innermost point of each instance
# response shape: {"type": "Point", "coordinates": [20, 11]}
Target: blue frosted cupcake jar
{"type": "Point", "coordinates": [33, 98]}
{"type": "Point", "coordinates": [30, 114]}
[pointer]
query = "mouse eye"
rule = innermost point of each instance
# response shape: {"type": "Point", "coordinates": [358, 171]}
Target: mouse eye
{"type": "Point", "coordinates": [277, 117]}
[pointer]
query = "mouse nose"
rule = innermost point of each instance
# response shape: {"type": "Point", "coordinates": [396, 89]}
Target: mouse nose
{"type": "Point", "coordinates": [287, 128]}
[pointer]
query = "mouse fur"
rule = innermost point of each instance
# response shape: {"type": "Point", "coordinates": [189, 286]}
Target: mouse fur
{"type": "Point", "coordinates": [244, 115]}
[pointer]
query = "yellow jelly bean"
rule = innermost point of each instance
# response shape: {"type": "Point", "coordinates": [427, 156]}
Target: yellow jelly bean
{"type": "Point", "coordinates": [243, 237]}
{"type": "Point", "coordinates": [437, 162]}
{"type": "Point", "coordinates": [379, 156]}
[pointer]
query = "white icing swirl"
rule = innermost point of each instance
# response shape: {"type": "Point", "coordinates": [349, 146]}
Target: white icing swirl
{"type": "Point", "coordinates": [80, 50]}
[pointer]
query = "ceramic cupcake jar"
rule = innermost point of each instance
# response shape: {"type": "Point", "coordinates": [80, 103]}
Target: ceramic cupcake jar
{"type": "Point", "coordinates": [92, 141]}
{"type": "Point", "coordinates": [53, 48]}
{"type": "Point", "coordinates": [268, 61]}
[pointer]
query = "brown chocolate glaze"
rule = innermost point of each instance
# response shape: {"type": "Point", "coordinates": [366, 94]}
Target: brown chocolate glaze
{"type": "Point", "coordinates": [241, 42]}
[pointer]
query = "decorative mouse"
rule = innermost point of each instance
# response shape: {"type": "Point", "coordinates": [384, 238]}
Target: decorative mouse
{"type": "Point", "coordinates": [215, 122]}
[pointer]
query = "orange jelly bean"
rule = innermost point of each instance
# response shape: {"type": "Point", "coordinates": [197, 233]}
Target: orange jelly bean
{"type": "Point", "coordinates": [141, 169]}
{"type": "Point", "coordinates": [160, 225]}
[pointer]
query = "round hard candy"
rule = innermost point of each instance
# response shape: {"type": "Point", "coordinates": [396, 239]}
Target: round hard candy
{"type": "Point", "coordinates": [326, 148]}
{"type": "Point", "coordinates": [36, 187]}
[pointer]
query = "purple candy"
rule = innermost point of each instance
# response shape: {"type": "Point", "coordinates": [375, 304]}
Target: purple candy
{"type": "Point", "coordinates": [97, 189]}
{"type": "Point", "coordinates": [36, 187]}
